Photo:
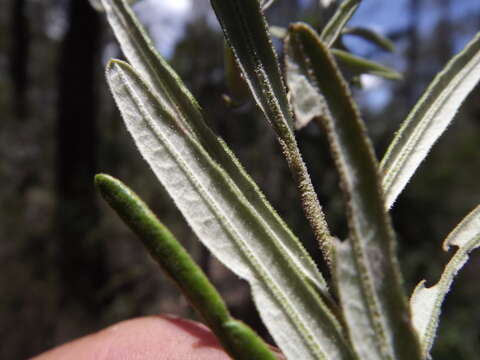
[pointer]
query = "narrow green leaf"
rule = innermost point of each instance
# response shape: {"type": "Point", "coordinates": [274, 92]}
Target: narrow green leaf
{"type": "Point", "coordinates": [247, 32]}
{"type": "Point", "coordinates": [335, 25]}
{"type": "Point", "coordinates": [174, 95]}
{"type": "Point", "coordinates": [238, 339]}
{"type": "Point", "coordinates": [371, 36]}
{"type": "Point", "coordinates": [141, 53]}
{"type": "Point", "coordinates": [306, 102]}
{"type": "Point", "coordinates": [224, 220]}
{"type": "Point", "coordinates": [429, 118]}
{"type": "Point", "coordinates": [368, 279]}
{"type": "Point", "coordinates": [426, 302]}
{"type": "Point", "coordinates": [358, 65]}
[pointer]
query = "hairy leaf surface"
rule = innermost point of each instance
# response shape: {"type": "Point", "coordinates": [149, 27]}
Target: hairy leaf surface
{"type": "Point", "coordinates": [429, 118]}
{"type": "Point", "coordinates": [426, 302]}
{"type": "Point", "coordinates": [306, 101]}
{"type": "Point", "coordinates": [358, 65]}
{"type": "Point", "coordinates": [371, 36]}
{"type": "Point", "coordinates": [335, 25]}
{"type": "Point", "coordinates": [238, 339]}
{"type": "Point", "coordinates": [227, 223]}
{"type": "Point", "coordinates": [247, 33]}
{"type": "Point", "coordinates": [368, 279]}
{"type": "Point", "coordinates": [174, 95]}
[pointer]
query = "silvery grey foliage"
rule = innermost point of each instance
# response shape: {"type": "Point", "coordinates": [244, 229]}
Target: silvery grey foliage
{"type": "Point", "coordinates": [367, 315]}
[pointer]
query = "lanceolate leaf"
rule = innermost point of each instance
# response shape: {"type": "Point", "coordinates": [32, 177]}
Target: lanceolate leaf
{"type": "Point", "coordinates": [227, 223]}
{"type": "Point", "coordinates": [247, 32]}
{"type": "Point", "coordinates": [358, 65]}
{"type": "Point", "coordinates": [426, 302]}
{"type": "Point", "coordinates": [176, 97]}
{"type": "Point", "coordinates": [371, 36]}
{"type": "Point", "coordinates": [306, 101]}
{"type": "Point", "coordinates": [239, 340]}
{"type": "Point", "coordinates": [141, 53]}
{"type": "Point", "coordinates": [429, 119]}
{"type": "Point", "coordinates": [335, 25]}
{"type": "Point", "coordinates": [366, 270]}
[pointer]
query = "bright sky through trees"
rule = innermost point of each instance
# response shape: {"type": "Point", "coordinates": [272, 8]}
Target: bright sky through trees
{"type": "Point", "coordinates": [166, 21]}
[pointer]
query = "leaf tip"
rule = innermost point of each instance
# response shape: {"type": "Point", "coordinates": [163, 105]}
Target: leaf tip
{"type": "Point", "coordinates": [108, 186]}
{"type": "Point", "coordinates": [112, 64]}
{"type": "Point", "coordinates": [101, 179]}
{"type": "Point", "coordinates": [446, 246]}
{"type": "Point", "coordinates": [297, 27]}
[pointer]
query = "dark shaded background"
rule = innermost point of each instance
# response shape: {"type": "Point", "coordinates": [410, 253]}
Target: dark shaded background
{"type": "Point", "coordinates": [68, 266]}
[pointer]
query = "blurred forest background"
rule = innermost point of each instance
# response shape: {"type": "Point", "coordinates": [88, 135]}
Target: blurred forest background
{"type": "Point", "coordinates": [68, 266]}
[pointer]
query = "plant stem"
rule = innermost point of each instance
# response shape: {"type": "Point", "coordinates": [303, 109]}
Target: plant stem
{"type": "Point", "coordinates": [308, 196]}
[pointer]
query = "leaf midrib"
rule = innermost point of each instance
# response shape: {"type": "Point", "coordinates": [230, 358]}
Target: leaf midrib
{"type": "Point", "coordinates": [393, 169]}
{"type": "Point", "coordinates": [246, 251]}
{"type": "Point", "coordinates": [260, 72]}
{"type": "Point", "coordinates": [158, 81]}
{"type": "Point", "coordinates": [367, 287]}
{"type": "Point", "coordinates": [180, 113]}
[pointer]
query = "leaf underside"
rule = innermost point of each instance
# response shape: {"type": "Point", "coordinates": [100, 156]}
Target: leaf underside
{"type": "Point", "coordinates": [358, 65]}
{"type": "Point", "coordinates": [336, 24]}
{"type": "Point", "coordinates": [227, 223]}
{"type": "Point", "coordinates": [368, 279]}
{"type": "Point", "coordinates": [177, 98]}
{"type": "Point", "coordinates": [426, 302]}
{"type": "Point", "coordinates": [428, 120]}
{"type": "Point", "coordinates": [370, 36]}
{"type": "Point", "coordinates": [305, 104]}
{"type": "Point", "coordinates": [238, 339]}
{"type": "Point", "coordinates": [246, 31]}
{"type": "Point", "coordinates": [232, 218]}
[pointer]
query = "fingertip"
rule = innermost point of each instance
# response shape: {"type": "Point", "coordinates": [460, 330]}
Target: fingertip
{"type": "Point", "coordinates": [146, 338]}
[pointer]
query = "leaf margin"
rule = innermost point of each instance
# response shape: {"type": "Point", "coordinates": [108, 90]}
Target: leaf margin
{"type": "Point", "coordinates": [420, 299]}
{"type": "Point", "coordinates": [373, 249]}
{"type": "Point", "coordinates": [156, 71]}
{"type": "Point", "coordinates": [322, 319]}
{"type": "Point", "coordinates": [395, 168]}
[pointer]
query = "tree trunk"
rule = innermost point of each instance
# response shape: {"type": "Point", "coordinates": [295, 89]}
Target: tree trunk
{"type": "Point", "coordinates": [80, 259]}
{"type": "Point", "coordinates": [18, 56]}
{"type": "Point", "coordinates": [410, 88]}
{"type": "Point", "coordinates": [445, 33]}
